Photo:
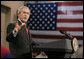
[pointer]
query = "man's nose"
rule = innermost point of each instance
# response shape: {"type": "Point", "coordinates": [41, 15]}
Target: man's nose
{"type": "Point", "coordinates": [26, 14]}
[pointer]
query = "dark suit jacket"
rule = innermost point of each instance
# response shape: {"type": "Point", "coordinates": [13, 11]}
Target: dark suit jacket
{"type": "Point", "coordinates": [20, 44]}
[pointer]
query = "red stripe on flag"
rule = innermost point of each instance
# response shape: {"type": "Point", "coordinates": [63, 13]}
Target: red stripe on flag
{"type": "Point", "coordinates": [53, 36]}
{"type": "Point", "coordinates": [78, 12]}
{"type": "Point", "coordinates": [70, 28]}
{"type": "Point", "coordinates": [70, 3]}
{"type": "Point", "coordinates": [73, 12]}
{"type": "Point", "coordinates": [79, 37]}
{"type": "Point", "coordinates": [69, 20]}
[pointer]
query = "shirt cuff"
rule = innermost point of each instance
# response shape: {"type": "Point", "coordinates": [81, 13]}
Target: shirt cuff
{"type": "Point", "coordinates": [14, 33]}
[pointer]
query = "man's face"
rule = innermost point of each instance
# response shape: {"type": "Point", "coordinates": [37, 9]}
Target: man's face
{"type": "Point", "coordinates": [24, 14]}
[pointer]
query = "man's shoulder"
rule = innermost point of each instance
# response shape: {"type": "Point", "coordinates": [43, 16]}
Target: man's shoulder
{"type": "Point", "coordinates": [12, 22]}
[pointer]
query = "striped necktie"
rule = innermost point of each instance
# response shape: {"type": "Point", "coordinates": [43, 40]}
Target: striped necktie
{"type": "Point", "coordinates": [27, 31]}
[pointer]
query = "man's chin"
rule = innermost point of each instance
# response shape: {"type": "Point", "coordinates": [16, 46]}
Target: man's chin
{"type": "Point", "coordinates": [25, 21]}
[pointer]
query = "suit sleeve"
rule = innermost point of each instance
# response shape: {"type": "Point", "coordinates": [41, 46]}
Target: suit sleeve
{"type": "Point", "coordinates": [10, 37]}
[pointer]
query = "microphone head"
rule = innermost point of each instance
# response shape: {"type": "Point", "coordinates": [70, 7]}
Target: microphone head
{"type": "Point", "coordinates": [62, 31]}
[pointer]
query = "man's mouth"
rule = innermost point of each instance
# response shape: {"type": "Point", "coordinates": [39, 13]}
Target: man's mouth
{"type": "Point", "coordinates": [25, 18]}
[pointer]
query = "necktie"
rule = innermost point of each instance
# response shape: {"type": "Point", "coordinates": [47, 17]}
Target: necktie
{"type": "Point", "coordinates": [27, 31]}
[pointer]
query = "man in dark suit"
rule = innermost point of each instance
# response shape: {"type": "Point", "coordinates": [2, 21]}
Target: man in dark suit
{"type": "Point", "coordinates": [18, 35]}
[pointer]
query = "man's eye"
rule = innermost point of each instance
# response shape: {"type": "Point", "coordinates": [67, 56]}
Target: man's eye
{"type": "Point", "coordinates": [28, 13]}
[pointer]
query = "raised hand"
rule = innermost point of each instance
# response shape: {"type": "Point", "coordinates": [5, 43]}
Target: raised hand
{"type": "Point", "coordinates": [17, 27]}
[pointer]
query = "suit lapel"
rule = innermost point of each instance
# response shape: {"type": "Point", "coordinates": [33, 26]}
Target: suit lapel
{"type": "Point", "coordinates": [19, 23]}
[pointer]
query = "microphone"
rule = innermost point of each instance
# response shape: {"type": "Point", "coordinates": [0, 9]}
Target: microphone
{"type": "Point", "coordinates": [65, 33]}
{"type": "Point", "coordinates": [62, 31]}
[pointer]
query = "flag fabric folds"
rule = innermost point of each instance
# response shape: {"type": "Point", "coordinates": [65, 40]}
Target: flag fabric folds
{"type": "Point", "coordinates": [47, 19]}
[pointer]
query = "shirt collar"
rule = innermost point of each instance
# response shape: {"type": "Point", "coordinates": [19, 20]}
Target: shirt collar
{"type": "Point", "coordinates": [21, 22]}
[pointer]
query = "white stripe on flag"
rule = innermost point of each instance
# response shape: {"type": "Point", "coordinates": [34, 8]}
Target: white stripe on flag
{"type": "Point", "coordinates": [70, 25]}
{"type": "Point", "coordinates": [64, 8]}
{"type": "Point", "coordinates": [71, 16]}
{"type": "Point", "coordinates": [73, 33]}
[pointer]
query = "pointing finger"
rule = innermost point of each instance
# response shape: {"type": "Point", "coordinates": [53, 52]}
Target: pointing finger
{"type": "Point", "coordinates": [20, 26]}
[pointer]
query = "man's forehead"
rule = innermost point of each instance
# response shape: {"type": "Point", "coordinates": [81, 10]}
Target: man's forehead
{"type": "Point", "coordinates": [25, 9]}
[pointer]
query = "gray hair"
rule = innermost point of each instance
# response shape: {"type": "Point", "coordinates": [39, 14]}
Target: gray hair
{"type": "Point", "coordinates": [19, 9]}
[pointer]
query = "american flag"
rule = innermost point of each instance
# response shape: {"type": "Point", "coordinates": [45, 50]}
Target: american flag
{"type": "Point", "coordinates": [47, 19]}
